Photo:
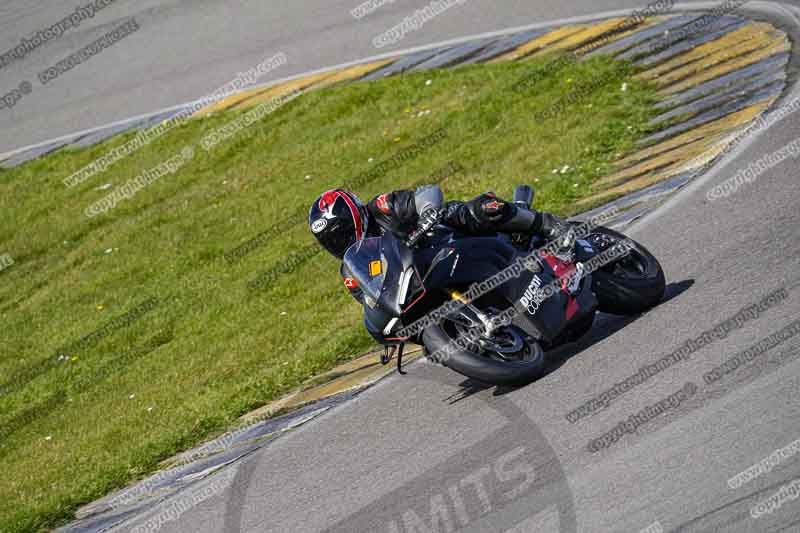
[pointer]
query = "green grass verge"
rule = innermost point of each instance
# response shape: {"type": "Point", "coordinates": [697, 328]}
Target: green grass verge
{"type": "Point", "coordinates": [146, 387]}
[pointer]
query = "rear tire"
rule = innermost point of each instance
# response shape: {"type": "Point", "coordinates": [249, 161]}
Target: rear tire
{"type": "Point", "coordinates": [631, 290]}
{"type": "Point", "coordinates": [481, 367]}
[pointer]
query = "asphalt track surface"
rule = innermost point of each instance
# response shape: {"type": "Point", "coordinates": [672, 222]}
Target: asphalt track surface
{"type": "Point", "coordinates": [431, 444]}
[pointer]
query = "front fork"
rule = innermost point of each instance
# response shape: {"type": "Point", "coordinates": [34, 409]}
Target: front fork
{"type": "Point", "coordinates": [484, 319]}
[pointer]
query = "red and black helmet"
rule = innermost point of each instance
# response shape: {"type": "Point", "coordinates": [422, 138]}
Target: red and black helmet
{"type": "Point", "coordinates": [338, 219]}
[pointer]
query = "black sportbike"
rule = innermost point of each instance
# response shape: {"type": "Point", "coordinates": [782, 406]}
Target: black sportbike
{"type": "Point", "coordinates": [472, 307]}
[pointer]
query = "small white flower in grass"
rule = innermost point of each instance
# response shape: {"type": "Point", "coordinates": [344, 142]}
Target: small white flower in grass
{"type": "Point", "coordinates": [555, 171]}
{"type": "Point", "coordinates": [624, 87]}
{"type": "Point", "coordinates": [150, 409]}
{"type": "Point", "coordinates": [284, 313]}
{"type": "Point", "coordinates": [224, 182]}
{"type": "Point", "coordinates": [574, 184]}
{"type": "Point", "coordinates": [132, 396]}
{"type": "Point", "coordinates": [109, 250]}
{"type": "Point", "coordinates": [370, 160]}
{"type": "Point", "coordinates": [103, 187]}
{"type": "Point", "coordinates": [428, 82]}
{"type": "Point", "coordinates": [565, 169]}
{"type": "Point", "coordinates": [49, 437]}
{"type": "Point", "coordinates": [427, 111]}
{"type": "Point", "coordinates": [308, 177]}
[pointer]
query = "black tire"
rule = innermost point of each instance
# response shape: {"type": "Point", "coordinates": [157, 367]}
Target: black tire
{"type": "Point", "coordinates": [483, 368]}
{"type": "Point", "coordinates": [635, 292]}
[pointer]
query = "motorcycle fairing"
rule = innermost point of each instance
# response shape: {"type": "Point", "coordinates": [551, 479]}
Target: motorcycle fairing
{"type": "Point", "coordinates": [470, 260]}
{"type": "Point", "coordinates": [478, 258]}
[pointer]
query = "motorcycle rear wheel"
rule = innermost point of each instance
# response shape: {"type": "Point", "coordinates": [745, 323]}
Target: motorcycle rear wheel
{"type": "Point", "coordinates": [630, 285]}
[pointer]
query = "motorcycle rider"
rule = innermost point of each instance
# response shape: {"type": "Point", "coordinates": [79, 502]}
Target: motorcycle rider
{"type": "Point", "coordinates": [338, 219]}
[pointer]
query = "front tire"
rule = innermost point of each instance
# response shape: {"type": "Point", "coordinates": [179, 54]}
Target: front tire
{"type": "Point", "coordinates": [630, 285]}
{"type": "Point", "coordinates": [470, 362]}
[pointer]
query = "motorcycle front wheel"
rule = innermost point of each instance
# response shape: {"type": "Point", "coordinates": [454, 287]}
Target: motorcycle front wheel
{"type": "Point", "coordinates": [508, 358]}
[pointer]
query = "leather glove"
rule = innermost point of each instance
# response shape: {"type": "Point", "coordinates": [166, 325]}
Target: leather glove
{"type": "Point", "coordinates": [488, 210]}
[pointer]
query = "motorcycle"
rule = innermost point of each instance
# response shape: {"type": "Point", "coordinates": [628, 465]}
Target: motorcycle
{"type": "Point", "coordinates": [474, 308]}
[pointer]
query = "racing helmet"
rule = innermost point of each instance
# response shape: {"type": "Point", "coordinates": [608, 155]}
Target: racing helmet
{"type": "Point", "coordinates": [338, 219]}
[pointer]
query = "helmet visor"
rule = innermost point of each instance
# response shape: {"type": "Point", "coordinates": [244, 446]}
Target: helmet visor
{"type": "Point", "coordinates": [338, 236]}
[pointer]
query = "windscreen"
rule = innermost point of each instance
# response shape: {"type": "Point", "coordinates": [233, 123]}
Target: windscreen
{"type": "Point", "coordinates": [363, 261]}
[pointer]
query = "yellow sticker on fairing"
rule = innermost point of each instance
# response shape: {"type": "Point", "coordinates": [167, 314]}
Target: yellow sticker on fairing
{"type": "Point", "coordinates": [375, 268]}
